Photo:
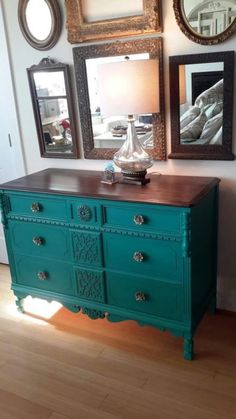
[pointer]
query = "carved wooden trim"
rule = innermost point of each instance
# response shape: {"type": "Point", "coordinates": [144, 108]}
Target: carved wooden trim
{"type": "Point", "coordinates": [192, 35]}
{"type": "Point", "coordinates": [79, 30]}
{"type": "Point", "coordinates": [81, 54]}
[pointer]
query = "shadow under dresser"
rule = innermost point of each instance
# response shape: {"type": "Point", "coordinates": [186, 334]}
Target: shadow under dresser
{"type": "Point", "coordinates": [146, 253]}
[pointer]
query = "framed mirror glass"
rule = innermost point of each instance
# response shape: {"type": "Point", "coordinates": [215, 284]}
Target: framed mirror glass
{"type": "Point", "coordinates": [206, 22]}
{"type": "Point", "coordinates": [51, 98]}
{"type": "Point", "coordinates": [103, 135]}
{"type": "Point", "coordinates": [40, 22]}
{"type": "Point", "coordinates": [201, 100]}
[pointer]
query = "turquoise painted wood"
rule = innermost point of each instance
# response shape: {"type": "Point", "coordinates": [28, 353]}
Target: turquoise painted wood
{"type": "Point", "coordinates": [149, 262]}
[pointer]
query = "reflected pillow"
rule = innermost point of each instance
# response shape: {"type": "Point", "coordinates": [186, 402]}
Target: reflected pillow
{"type": "Point", "coordinates": [189, 116]}
{"type": "Point", "coordinates": [194, 129]}
{"type": "Point", "coordinates": [211, 95]}
{"type": "Point", "coordinates": [217, 139]}
{"type": "Point", "coordinates": [213, 109]}
{"type": "Point", "coordinates": [212, 126]}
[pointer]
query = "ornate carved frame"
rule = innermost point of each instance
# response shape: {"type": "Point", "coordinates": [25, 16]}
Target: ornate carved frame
{"type": "Point", "coordinates": [79, 30]}
{"type": "Point", "coordinates": [192, 35]}
{"type": "Point", "coordinates": [54, 34]}
{"type": "Point", "coordinates": [202, 152]}
{"type": "Point", "coordinates": [153, 46]}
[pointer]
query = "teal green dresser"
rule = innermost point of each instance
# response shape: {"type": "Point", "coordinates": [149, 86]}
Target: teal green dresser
{"type": "Point", "coordinates": [146, 253]}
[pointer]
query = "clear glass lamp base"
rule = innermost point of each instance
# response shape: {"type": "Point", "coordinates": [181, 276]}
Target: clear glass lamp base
{"type": "Point", "coordinates": [132, 159]}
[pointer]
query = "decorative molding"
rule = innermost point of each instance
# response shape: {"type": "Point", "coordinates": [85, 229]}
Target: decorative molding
{"type": "Point", "coordinates": [186, 246]}
{"type": "Point", "coordinates": [84, 213]}
{"type": "Point", "coordinates": [93, 314]}
{"type": "Point", "coordinates": [90, 285]}
{"type": "Point", "coordinates": [79, 30]}
{"type": "Point", "coordinates": [87, 247]}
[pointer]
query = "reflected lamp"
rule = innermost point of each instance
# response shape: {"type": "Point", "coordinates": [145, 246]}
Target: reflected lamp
{"type": "Point", "coordinates": [130, 87]}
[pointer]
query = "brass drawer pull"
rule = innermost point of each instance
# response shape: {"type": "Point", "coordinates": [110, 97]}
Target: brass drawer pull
{"type": "Point", "coordinates": [138, 257]}
{"type": "Point", "coordinates": [35, 207]}
{"type": "Point", "coordinates": [42, 276]}
{"type": "Point", "coordinates": [140, 296]}
{"type": "Point", "coordinates": [138, 219]}
{"type": "Point", "coordinates": [38, 241]}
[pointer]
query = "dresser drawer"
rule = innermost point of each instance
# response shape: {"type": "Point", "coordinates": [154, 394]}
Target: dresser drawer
{"type": "Point", "coordinates": [150, 257]}
{"type": "Point", "coordinates": [38, 206]}
{"type": "Point", "coordinates": [140, 218]}
{"type": "Point", "coordinates": [35, 239]}
{"type": "Point", "coordinates": [86, 212]}
{"type": "Point", "coordinates": [145, 295]}
{"type": "Point", "coordinates": [45, 274]}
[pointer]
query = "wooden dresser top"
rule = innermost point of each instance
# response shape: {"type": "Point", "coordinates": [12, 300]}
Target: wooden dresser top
{"type": "Point", "coordinates": [182, 191]}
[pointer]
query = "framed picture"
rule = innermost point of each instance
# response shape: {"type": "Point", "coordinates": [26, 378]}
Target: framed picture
{"type": "Point", "coordinates": [90, 20]}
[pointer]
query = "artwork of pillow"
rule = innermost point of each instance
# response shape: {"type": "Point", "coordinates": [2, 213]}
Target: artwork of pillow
{"type": "Point", "coordinates": [211, 95]}
{"type": "Point", "coordinates": [194, 128]}
{"type": "Point", "coordinates": [217, 139]}
{"type": "Point", "coordinates": [212, 126]}
{"type": "Point", "coordinates": [189, 116]}
{"type": "Point", "coordinates": [214, 109]}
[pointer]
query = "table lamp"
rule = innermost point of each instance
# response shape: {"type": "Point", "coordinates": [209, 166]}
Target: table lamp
{"type": "Point", "coordinates": [130, 87]}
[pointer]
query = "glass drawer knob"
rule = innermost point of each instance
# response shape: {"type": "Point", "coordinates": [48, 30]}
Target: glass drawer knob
{"type": "Point", "coordinates": [140, 296]}
{"type": "Point", "coordinates": [35, 207]}
{"type": "Point", "coordinates": [138, 219]}
{"type": "Point", "coordinates": [138, 257]}
{"type": "Point", "coordinates": [38, 241]}
{"type": "Point", "coordinates": [42, 276]}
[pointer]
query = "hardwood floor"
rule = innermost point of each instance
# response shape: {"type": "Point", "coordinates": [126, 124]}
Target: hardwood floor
{"type": "Point", "coordinates": [71, 367]}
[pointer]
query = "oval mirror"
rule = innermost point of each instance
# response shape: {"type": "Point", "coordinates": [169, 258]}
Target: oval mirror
{"type": "Point", "coordinates": [31, 14]}
{"type": "Point", "coordinates": [206, 22]}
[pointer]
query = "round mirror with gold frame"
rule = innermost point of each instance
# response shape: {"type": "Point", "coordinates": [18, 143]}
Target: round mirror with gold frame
{"type": "Point", "coordinates": [40, 22]}
{"type": "Point", "coordinates": [206, 22]}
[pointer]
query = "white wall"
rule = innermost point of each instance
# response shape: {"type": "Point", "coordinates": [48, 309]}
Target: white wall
{"type": "Point", "coordinates": [175, 43]}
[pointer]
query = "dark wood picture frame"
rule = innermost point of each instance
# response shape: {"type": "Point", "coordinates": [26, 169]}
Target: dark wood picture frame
{"type": "Point", "coordinates": [79, 30]}
{"type": "Point", "coordinates": [193, 35]}
{"type": "Point", "coordinates": [54, 34]}
{"type": "Point", "coordinates": [153, 46]}
{"type": "Point", "coordinates": [49, 65]}
{"type": "Point", "coordinates": [202, 152]}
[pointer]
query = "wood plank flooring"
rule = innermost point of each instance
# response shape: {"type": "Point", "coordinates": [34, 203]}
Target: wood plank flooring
{"type": "Point", "coordinates": [71, 367]}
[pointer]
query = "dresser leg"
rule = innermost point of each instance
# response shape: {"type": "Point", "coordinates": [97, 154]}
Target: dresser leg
{"type": "Point", "coordinates": [188, 349]}
{"type": "Point", "coordinates": [20, 304]}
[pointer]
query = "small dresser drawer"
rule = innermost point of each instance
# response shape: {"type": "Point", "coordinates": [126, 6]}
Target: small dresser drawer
{"type": "Point", "coordinates": [35, 239]}
{"type": "Point", "coordinates": [141, 218]}
{"type": "Point", "coordinates": [147, 296]}
{"type": "Point", "coordinates": [38, 206]}
{"type": "Point", "coordinates": [45, 274]}
{"type": "Point", "coordinates": [158, 259]}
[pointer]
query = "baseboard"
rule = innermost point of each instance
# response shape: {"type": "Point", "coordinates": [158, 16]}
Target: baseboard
{"type": "Point", "coordinates": [227, 303]}
{"type": "Point", "coordinates": [3, 251]}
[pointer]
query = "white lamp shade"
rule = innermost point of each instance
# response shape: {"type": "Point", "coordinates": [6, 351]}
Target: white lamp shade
{"type": "Point", "coordinates": [182, 85]}
{"type": "Point", "coordinates": [129, 87]}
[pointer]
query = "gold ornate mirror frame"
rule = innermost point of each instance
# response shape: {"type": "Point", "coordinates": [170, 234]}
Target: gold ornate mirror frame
{"type": "Point", "coordinates": [79, 30]}
{"type": "Point", "coordinates": [193, 35]}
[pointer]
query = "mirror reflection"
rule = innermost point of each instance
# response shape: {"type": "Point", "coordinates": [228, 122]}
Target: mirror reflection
{"type": "Point", "coordinates": [50, 91]}
{"type": "Point", "coordinates": [109, 131]}
{"type": "Point", "coordinates": [201, 99]}
{"type": "Point", "coordinates": [38, 11]}
{"type": "Point", "coordinates": [209, 18]}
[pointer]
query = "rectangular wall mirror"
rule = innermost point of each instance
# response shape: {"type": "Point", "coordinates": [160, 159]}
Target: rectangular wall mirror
{"type": "Point", "coordinates": [201, 100]}
{"type": "Point", "coordinates": [53, 110]}
{"type": "Point", "coordinates": [103, 135]}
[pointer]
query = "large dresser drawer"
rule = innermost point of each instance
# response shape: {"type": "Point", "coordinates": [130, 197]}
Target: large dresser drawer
{"type": "Point", "coordinates": [40, 240]}
{"type": "Point", "coordinates": [150, 257]}
{"type": "Point", "coordinates": [38, 206]}
{"type": "Point", "coordinates": [45, 274]}
{"type": "Point", "coordinates": [141, 218]}
{"type": "Point", "coordinates": [147, 296]}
